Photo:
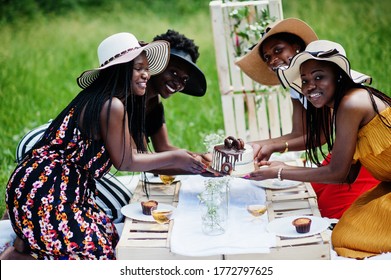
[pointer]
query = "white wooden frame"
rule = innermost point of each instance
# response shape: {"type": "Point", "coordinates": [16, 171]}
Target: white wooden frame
{"type": "Point", "coordinates": [249, 113]}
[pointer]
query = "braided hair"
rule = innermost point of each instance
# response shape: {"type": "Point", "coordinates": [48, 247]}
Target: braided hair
{"type": "Point", "coordinates": [323, 120]}
{"type": "Point", "coordinates": [114, 81]}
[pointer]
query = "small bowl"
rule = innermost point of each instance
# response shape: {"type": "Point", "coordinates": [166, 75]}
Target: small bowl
{"type": "Point", "coordinates": [256, 209]}
{"type": "Point", "coordinates": [167, 179]}
{"type": "Point", "coordinates": [162, 216]}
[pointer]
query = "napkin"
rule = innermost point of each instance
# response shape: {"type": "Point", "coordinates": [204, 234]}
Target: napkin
{"type": "Point", "coordinates": [7, 235]}
{"type": "Point", "coordinates": [243, 234]}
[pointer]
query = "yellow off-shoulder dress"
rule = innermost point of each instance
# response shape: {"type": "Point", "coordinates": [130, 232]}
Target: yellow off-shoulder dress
{"type": "Point", "coordinates": [364, 230]}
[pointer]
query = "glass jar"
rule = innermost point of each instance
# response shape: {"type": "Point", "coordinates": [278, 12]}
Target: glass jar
{"type": "Point", "coordinates": [214, 204]}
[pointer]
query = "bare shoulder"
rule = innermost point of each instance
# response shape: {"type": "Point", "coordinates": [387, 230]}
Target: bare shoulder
{"type": "Point", "coordinates": [116, 109]}
{"type": "Point", "coordinates": [115, 106]}
{"type": "Point", "coordinates": [357, 104]}
{"type": "Point", "coordinates": [356, 98]}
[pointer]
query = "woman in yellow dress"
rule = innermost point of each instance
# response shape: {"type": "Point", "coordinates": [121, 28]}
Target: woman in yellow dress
{"type": "Point", "coordinates": [356, 121]}
{"type": "Point", "coordinates": [281, 41]}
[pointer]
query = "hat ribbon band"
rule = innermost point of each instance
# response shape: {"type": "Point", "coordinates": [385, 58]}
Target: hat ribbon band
{"type": "Point", "coordinates": [118, 55]}
{"type": "Point", "coordinates": [324, 54]}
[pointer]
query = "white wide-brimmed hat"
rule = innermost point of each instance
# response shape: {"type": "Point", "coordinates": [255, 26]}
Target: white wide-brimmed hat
{"type": "Point", "coordinates": [255, 67]}
{"type": "Point", "coordinates": [322, 50]}
{"type": "Point", "coordinates": [122, 48]}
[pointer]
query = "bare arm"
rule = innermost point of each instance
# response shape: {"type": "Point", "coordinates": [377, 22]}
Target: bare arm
{"type": "Point", "coordinates": [161, 143]}
{"type": "Point", "coordinates": [160, 140]}
{"type": "Point", "coordinates": [352, 112]}
{"type": "Point", "coordinates": [295, 139]}
{"type": "Point", "coordinates": [123, 152]}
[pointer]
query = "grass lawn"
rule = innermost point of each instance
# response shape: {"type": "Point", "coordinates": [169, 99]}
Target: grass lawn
{"type": "Point", "coordinates": [41, 59]}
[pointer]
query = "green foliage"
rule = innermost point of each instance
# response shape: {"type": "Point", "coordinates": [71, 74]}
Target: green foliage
{"type": "Point", "coordinates": [248, 28]}
{"type": "Point", "coordinates": [361, 27]}
{"type": "Point", "coordinates": [11, 10]}
{"type": "Point", "coordinates": [214, 201]}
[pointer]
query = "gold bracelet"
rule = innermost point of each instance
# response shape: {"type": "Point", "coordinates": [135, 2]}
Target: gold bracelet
{"type": "Point", "coordinates": [279, 174]}
{"type": "Point", "coordinates": [286, 147]}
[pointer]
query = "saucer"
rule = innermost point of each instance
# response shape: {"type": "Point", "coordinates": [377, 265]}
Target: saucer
{"type": "Point", "coordinates": [135, 212]}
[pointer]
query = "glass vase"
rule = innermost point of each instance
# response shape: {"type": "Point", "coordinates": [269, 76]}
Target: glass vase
{"type": "Point", "coordinates": [214, 204]}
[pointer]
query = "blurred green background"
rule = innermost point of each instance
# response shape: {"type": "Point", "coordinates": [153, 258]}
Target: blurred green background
{"type": "Point", "coordinates": [47, 44]}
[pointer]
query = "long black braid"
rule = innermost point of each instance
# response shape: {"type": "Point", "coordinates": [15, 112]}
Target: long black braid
{"type": "Point", "coordinates": [114, 81]}
{"type": "Point", "coordinates": [323, 120]}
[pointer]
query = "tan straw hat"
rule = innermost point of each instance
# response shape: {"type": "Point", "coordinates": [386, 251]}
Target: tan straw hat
{"type": "Point", "coordinates": [122, 48]}
{"type": "Point", "coordinates": [322, 50]}
{"type": "Point", "coordinates": [254, 66]}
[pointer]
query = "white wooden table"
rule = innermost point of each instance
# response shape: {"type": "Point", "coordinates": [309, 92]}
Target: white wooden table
{"type": "Point", "coordinates": [149, 240]}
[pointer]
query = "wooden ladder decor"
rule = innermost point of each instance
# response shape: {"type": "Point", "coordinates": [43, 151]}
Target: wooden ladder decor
{"type": "Point", "coordinates": [251, 111]}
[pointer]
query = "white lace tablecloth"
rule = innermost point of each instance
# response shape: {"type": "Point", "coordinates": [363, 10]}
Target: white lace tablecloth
{"type": "Point", "coordinates": [243, 234]}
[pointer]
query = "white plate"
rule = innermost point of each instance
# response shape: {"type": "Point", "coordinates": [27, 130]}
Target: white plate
{"type": "Point", "coordinates": [283, 226]}
{"type": "Point", "coordinates": [135, 212]}
{"type": "Point", "coordinates": [276, 184]}
{"type": "Point", "coordinates": [152, 179]}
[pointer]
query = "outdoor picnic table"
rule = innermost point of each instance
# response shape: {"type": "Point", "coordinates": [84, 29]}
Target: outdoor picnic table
{"type": "Point", "coordinates": [143, 240]}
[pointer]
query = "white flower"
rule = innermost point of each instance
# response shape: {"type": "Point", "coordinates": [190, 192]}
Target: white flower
{"type": "Point", "coordinates": [213, 139]}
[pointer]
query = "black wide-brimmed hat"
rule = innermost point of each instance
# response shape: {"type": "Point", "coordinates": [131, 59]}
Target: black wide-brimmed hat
{"type": "Point", "coordinates": [196, 84]}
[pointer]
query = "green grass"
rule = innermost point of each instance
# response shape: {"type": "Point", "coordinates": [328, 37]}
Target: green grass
{"type": "Point", "coordinates": [41, 58]}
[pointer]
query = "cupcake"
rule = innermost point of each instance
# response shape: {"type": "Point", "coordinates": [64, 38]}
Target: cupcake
{"type": "Point", "coordinates": [303, 225]}
{"type": "Point", "coordinates": [148, 206]}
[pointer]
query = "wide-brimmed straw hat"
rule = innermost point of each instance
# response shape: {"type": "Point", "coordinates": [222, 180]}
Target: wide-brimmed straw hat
{"type": "Point", "coordinates": [322, 50]}
{"type": "Point", "coordinates": [196, 84]}
{"type": "Point", "coordinates": [124, 47]}
{"type": "Point", "coordinates": [255, 67]}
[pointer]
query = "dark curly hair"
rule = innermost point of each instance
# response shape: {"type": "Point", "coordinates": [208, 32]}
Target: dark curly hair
{"type": "Point", "coordinates": [180, 42]}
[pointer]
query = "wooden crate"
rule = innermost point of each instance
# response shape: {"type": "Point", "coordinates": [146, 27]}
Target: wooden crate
{"type": "Point", "coordinates": [297, 201]}
{"type": "Point", "coordinates": [147, 240]}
